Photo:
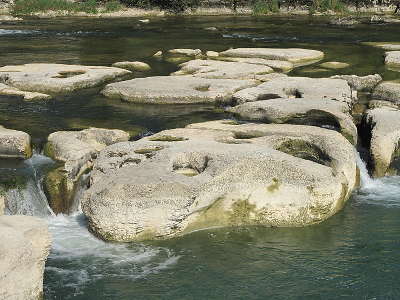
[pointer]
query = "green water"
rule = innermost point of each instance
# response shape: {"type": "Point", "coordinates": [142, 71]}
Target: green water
{"type": "Point", "coordinates": [353, 255]}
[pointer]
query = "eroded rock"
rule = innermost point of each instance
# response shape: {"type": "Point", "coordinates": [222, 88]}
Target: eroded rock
{"type": "Point", "coordinates": [361, 83]}
{"type": "Point", "coordinates": [387, 90]}
{"type": "Point", "coordinates": [133, 66]}
{"type": "Point", "coordinates": [14, 144]}
{"type": "Point", "coordinates": [10, 91]}
{"type": "Point", "coordinates": [392, 58]}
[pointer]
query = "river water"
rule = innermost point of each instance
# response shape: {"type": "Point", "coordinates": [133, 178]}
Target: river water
{"type": "Point", "coordinates": [353, 255]}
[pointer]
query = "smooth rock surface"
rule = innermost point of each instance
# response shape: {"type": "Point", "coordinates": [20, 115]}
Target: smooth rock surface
{"type": "Point", "coordinates": [213, 69]}
{"type": "Point", "coordinates": [384, 123]}
{"type": "Point", "coordinates": [219, 174]}
{"type": "Point", "coordinates": [14, 144]}
{"type": "Point", "coordinates": [315, 112]}
{"type": "Point", "coordinates": [133, 66]}
{"type": "Point", "coordinates": [6, 90]}
{"type": "Point", "coordinates": [57, 78]}
{"type": "Point", "coordinates": [176, 90]}
{"type": "Point", "coordinates": [24, 247]}
{"type": "Point", "coordinates": [298, 87]}
{"type": "Point", "coordinates": [334, 65]}
{"type": "Point", "coordinates": [279, 65]}
{"type": "Point", "coordinates": [387, 90]}
{"type": "Point", "coordinates": [390, 46]}
{"type": "Point", "coordinates": [294, 55]}
{"type": "Point", "coordinates": [361, 83]}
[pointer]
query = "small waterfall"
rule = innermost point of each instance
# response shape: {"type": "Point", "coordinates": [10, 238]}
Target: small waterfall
{"type": "Point", "coordinates": [366, 180]}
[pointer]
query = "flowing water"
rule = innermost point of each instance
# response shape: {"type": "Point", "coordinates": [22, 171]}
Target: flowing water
{"type": "Point", "coordinates": [355, 254]}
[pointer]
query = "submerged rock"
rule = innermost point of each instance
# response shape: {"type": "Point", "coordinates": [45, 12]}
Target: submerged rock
{"type": "Point", "coordinates": [6, 90]}
{"type": "Point", "coordinates": [361, 83]}
{"type": "Point", "coordinates": [57, 78]}
{"type": "Point", "coordinates": [133, 66]}
{"type": "Point", "coordinates": [387, 90]}
{"type": "Point", "coordinates": [176, 90]}
{"type": "Point", "coordinates": [219, 173]}
{"type": "Point", "coordinates": [76, 150]}
{"type": "Point", "coordinates": [213, 69]}
{"type": "Point", "coordinates": [24, 247]}
{"type": "Point", "coordinates": [298, 87]}
{"type": "Point", "coordinates": [392, 58]}
{"type": "Point", "coordinates": [390, 46]}
{"type": "Point", "coordinates": [14, 144]}
{"type": "Point", "coordinates": [334, 65]}
{"type": "Point", "coordinates": [315, 112]}
{"type": "Point", "coordinates": [384, 124]}
{"type": "Point", "coordinates": [294, 55]}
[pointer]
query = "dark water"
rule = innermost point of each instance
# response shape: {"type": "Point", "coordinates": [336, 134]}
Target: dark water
{"type": "Point", "coordinates": [353, 255]}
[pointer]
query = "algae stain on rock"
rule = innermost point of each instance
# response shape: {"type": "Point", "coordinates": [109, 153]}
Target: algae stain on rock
{"type": "Point", "coordinates": [274, 186]}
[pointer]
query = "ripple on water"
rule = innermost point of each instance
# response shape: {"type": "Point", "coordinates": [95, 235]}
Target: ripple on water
{"type": "Point", "coordinates": [79, 259]}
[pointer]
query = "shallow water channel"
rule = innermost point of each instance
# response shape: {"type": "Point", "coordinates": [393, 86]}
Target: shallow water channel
{"type": "Point", "coordinates": [353, 255]}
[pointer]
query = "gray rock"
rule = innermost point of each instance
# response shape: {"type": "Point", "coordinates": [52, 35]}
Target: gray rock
{"type": "Point", "coordinates": [57, 78]}
{"type": "Point", "coordinates": [213, 69]}
{"type": "Point", "coordinates": [316, 112]}
{"type": "Point", "coordinates": [298, 87]}
{"type": "Point", "coordinates": [361, 83]}
{"type": "Point", "coordinates": [24, 247]}
{"type": "Point", "coordinates": [133, 66]}
{"type": "Point", "coordinates": [176, 90]}
{"type": "Point", "coordinates": [344, 21]}
{"type": "Point", "coordinates": [185, 52]}
{"type": "Point", "coordinates": [392, 58]}
{"type": "Point", "coordinates": [14, 144]}
{"type": "Point", "coordinates": [294, 55]}
{"type": "Point", "coordinates": [387, 90]}
{"type": "Point", "coordinates": [279, 65]}
{"type": "Point", "coordinates": [334, 65]}
{"type": "Point", "coordinates": [219, 174]}
{"type": "Point", "coordinates": [6, 90]}
{"type": "Point", "coordinates": [384, 123]}
{"type": "Point", "coordinates": [386, 46]}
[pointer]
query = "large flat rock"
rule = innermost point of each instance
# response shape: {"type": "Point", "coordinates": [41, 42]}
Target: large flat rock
{"type": "Point", "coordinates": [14, 144]}
{"type": "Point", "coordinates": [278, 65]}
{"type": "Point", "coordinates": [294, 55]}
{"type": "Point", "coordinates": [57, 78]}
{"type": "Point", "coordinates": [176, 90]}
{"type": "Point", "coordinates": [24, 247]}
{"type": "Point", "coordinates": [217, 174]}
{"type": "Point", "coordinates": [213, 69]}
{"type": "Point", "coordinates": [298, 87]}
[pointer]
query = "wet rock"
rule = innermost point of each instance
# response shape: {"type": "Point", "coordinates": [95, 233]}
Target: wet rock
{"type": "Point", "coordinates": [76, 150]}
{"type": "Point", "coordinates": [279, 65]}
{"type": "Point", "coordinates": [182, 55]}
{"type": "Point", "coordinates": [384, 123]}
{"type": "Point", "coordinates": [176, 90]}
{"type": "Point", "coordinates": [133, 66]}
{"type": "Point", "coordinates": [6, 90]}
{"type": "Point", "coordinates": [294, 55]}
{"type": "Point", "coordinates": [57, 78]}
{"type": "Point", "coordinates": [344, 21]}
{"type": "Point", "coordinates": [14, 144]}
{"type": "Point", "coordinates": [211, 28]}
{"type": "Point", "coordinates": [361, 83]}
{"type": "Point", "coordinates": [334, 65]}
{"type": "Point", "coordinates": [219, 173]}
{"type": "Point", "coordinates": [392, 58]}
{"type": "Point", "coordinates": [145, 21]}
{"type": "Point", "coordinates": [315, 112]}
{"type": "Point", "coordinates": [185, 52]}
{"type": "Point", "coordinates": [386, 46]}
{"type": "Point", "coordinates": [213, 69]}
{"type": "Point", "coordinates": [24, 247]}
{"type": "Point", "coordinates": [298, 87]}
{"type": "Point", "coordinates": [387, 90]}
{"type": "Point", "coordinates": [158, 54]}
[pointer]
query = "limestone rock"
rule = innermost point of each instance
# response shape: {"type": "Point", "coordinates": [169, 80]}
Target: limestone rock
{"type": "Point", "coordinates": [158, 54]}
{"type": "Point", "coordinates": [10, 91]}
{"type": "Point", "coordinates": [384, 123]}
{"type": "Point", "coordinates": [361, 83]}
{"type": "Point", "coordinates": [176, 90]}
{"type": "Point", "coordinates": [216, 174]}
{"type": "Point", "coordinates": [270, 76]}
{"type": "Point", "coordinates": [213, 69]}
{"type": "Point", "coordinates": [212, 54]}
{"type": "Point", "coordinates": [334, 65]}
{"type": "Point", "coordinates": [24, 247]}
{"type": "Point", "coordinates": [14, 144]}
{"type": "Point", "coordinates": [315, 112]}
{"type": "Point", "coordinates": [76, 149]}
{"type": "Point", "coordinates": [392, 58]}
{"type": "Point", "coordinates": [387, 90]}
{"type": "Point", "coordinates": [294, 55]}
{"type": "Point", "coordinates": [186, 52]}
{"type": "Point", "coordinates": [298, 87]}
{"type": "Point", "coordinates": [133, 66]}
{"type": "Point", "coordinates": [279, 65]}
{"type": "Point", "coordinates": [57, 78]}
{"type": "Point", "coordinates": [390, 46]}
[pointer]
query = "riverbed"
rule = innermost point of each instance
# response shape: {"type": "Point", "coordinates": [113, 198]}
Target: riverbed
{"type": "Point", "coordinates": [355, 254]}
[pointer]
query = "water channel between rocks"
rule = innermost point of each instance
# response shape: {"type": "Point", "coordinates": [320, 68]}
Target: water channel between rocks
{"type": "Point", "coordinates": [355, 254]}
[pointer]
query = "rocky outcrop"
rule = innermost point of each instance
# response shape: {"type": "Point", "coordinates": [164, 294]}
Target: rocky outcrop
{"type": "Point", "coordinates": [388, 91]}
{"type": "Point", "coordinates": [176, 90]}
{"type": "Point", "coordinates": [294, 55]}
{"type": "Point", "coordinates": [76, 150]}
{"type": "Point", "coordinates": [216, 174]}
{"type": "Point", "coordinates": [14, 144]}
{"type": "Point", "coordinates": [384, 123]}
{"type": "Point", "coordinates": [361, 83]}
{"type": "Point", "coordinates": [392, 58]}
{"type": "Point", "coordinates": [6, 90]}
{"type": "Point", "coordinates": [298, 87]}
{"type": "Point", "coordinates": [24, 247]}
{"type": "Point", "coordinates": [137, 66]}
{"type": "Point", "coordinates": [213, 69]}
{"type": "Point", "coordinates": [57, 78]}
{"type": "Point", "coordinates": [314, 112]}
